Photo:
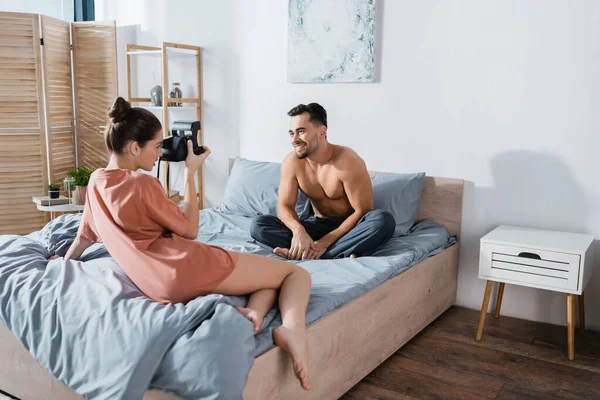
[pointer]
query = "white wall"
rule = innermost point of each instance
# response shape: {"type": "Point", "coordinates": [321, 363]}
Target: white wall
{"type": "Point", "coordinates": [503, 94]}
{"type": "Point", "coordinates": [202, 23]}
{"type": "Point", "coordinates": [61, 9]}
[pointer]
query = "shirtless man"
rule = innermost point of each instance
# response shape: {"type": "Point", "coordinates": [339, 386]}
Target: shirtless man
{"type": "Point", "coordinates": [336, 181]}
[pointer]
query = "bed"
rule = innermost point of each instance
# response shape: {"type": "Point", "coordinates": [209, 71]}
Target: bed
{"type": "Point", "coordinates": [346, 342]}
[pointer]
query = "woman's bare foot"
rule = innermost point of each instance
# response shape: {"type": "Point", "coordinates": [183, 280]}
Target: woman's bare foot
{"type": "Point", "coordinates": [352, 255]}
{"type": "Point", "coordinates": [294, 341]}
{"type": "Point", "coordinates": [253, 316]}
{"type": "Point", "coordinates": [281, 252]}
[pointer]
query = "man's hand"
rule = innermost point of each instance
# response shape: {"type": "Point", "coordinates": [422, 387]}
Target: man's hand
{"type": "Point", "coordinates": [301, 243]}
{"type": "Point", "coordinates": [317, 249]}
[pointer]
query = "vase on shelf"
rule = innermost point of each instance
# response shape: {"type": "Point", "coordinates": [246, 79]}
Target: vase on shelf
{"type": "Point", "coordinates": [79, 195]}
{"type": "Point", "coordinates": [69, 185]}
{"type": "Point", "coordinates": [175, 93]}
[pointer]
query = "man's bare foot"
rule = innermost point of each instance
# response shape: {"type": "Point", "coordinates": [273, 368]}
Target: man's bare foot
{"type": "Point", "coordinates": [281, 252]}
{"type": "Point", "coordinates": [352, 255]}
{"type": "Point", "coordinates": [253, 316]}
{"type": "Point", "coordinates": [294, 341]}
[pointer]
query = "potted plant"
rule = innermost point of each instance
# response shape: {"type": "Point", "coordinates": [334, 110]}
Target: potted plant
{"type": "Point", "coordinates": [82, 177]}
{"type": "Point", "coordinates": [54, 190]}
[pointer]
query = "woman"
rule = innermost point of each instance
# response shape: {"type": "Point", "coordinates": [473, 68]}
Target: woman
{"type": "Point", "coordinates": [153, 241]}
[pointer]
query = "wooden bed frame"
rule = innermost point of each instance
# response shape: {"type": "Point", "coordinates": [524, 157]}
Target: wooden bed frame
{"type": "Point", "coordinates": [345, 345]}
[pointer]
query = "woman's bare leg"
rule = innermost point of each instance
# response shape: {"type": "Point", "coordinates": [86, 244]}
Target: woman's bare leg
{"type": "Point", "coordinates": [259, 304]}
{"type": "Point", "coordinates": [253, 273]}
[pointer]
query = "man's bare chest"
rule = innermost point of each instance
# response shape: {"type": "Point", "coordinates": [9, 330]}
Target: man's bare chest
{"type": "Point", "coordinates": [321, 185]}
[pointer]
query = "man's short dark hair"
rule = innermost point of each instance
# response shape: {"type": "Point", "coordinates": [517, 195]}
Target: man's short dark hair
{"type": "Point", "coordinates": [318, 115]}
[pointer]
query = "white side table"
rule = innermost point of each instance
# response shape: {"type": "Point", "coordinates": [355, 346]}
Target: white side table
{"type": "Point", "coordinates": [61, 208]}
{"type": "Point", "coordinates": [557, 261]}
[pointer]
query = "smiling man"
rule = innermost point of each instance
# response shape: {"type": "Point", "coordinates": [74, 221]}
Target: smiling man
{"type": "Point", "coordinates": [336, 181]}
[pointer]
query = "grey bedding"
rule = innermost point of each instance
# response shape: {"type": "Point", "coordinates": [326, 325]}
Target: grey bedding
{"type": "Point", "coordinates": [88, 324]}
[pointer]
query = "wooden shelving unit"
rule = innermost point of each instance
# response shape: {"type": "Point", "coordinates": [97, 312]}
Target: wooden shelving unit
{"type": "Point", "coordinates": [164, 51]}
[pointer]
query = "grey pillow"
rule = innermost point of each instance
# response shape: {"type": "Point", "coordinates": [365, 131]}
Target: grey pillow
{"type": "Point", "coordinates": [252, 190]}
{"type": "Point", "coordinates": [399, 194]}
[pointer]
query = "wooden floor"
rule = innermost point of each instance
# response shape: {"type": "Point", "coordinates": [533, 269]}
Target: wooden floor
{"type": "Point", "coordinates": [515, 359]}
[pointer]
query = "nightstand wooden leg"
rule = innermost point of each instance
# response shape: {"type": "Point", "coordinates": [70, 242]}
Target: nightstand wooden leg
{"type": "Point", "coordinates": [570, 326]}
{"type": "Point", "coordinates": [499, 299]}
{"type": "Point", "coordinates": [581, 313]}
{"type": "Point", "coordinates": [484, 307]}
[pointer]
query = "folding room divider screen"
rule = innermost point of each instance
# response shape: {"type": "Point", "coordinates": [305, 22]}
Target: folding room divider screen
{"type": "Point", "coordinates": [57, 81]}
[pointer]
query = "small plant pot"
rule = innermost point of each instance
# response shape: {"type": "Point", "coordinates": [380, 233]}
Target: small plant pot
{"type": "Point", "coordinates": [79, 195]}
{"type": "Point", "coordinates": [53, 194]}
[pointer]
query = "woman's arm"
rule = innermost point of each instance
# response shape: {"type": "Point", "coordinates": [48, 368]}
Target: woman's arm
{"type": "Point", "coordinates": [190, 204]}
{"type": "Point", "coordinates": [77, 248]}
{"type": "Point", "coordinates": [190, 199]}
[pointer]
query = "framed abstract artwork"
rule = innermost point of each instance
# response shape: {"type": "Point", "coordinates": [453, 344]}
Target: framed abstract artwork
{"type": "Point", "coordinates": [331, 41]}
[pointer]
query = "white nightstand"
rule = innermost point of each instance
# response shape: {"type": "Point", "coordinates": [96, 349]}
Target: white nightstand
{"type": "Point", "coordinates": [557, 261]}
{"type": "Point", "coordinates": [61, 208]}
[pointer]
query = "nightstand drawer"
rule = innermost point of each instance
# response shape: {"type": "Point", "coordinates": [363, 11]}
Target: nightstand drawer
{"type": "Point", "coordinates": [531, 267]}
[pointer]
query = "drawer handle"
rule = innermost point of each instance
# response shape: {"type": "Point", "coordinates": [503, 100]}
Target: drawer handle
{"type": "Point", "coordinates": [530, 255]}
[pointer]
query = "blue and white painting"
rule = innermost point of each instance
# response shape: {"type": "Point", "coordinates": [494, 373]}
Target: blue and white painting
{"type": "Point", "coordinates": [331, 41]}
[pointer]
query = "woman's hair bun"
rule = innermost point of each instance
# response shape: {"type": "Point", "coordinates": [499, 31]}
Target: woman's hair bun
{"type": "Point", "coordinates": [119, 110]}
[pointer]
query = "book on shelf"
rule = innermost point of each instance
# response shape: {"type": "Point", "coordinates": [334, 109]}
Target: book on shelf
{"type": "Point", "coordinates": [47, 201]}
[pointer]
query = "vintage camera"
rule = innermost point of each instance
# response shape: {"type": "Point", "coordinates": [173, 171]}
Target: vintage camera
{"type": "Point", "coordinates": [174, 147]}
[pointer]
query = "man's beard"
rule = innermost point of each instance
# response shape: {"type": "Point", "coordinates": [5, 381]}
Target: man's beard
{"type": "Point", "coordinates": [304, 152]}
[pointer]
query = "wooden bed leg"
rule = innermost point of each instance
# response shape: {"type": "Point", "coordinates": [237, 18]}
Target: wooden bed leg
{"type": "Point", "coordinates": [484, 307]}
{"type": "Point", "coordinates": [581, 313]}
{"type": "Point", "coordinates": [499, 299]}
{"type": "Point", "coordinates": [570, 326]}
